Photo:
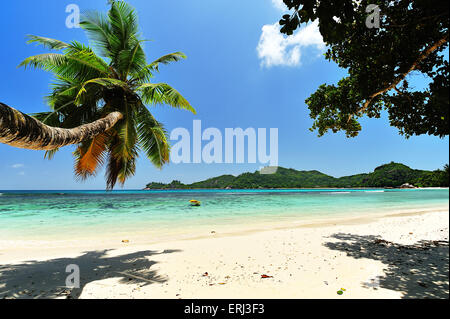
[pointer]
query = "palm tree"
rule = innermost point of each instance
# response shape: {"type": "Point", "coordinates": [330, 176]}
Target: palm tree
{"type": "Point", "coordinates": [99, 101]}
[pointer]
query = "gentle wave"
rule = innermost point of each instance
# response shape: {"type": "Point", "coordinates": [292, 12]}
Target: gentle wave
{"type": "Point", "coordinates": [336, 193]}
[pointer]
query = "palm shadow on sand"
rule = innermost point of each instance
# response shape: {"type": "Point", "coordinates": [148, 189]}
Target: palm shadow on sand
{"type": "Point", "coordinates": [47, 279]}
{"type": "Point", "coordinates": [420, 270]}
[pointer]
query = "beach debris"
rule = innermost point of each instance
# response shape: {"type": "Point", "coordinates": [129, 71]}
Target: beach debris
{"type": "Point", "coordinates": [266, 276]}
{"type": "Point", "coordinates": [341, 291]}
{"type": "Point", "coordinates": [213, 232]}
{"type": "Point", "coordinates": [222, 283]}
{"type": "Point", "coordinates": [125, 241]}
{"type": "Point", "coordinates": [194, 202]}
{"type": "Point", "coordinates": [382, 242]}
{"type": "Point", "coordinates": [205, 274]}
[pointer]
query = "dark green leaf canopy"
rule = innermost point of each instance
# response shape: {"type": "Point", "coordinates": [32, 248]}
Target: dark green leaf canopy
{"type": "Point", "coordinates": [412, 39]}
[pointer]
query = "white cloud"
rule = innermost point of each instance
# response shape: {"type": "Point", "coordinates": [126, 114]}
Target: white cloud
{"type": "Point", "coordinates": [279, 4]}
{"type": "Point", "coordinates": [17, 165]}
{"type": "Point", "coordinates": [276, 49]}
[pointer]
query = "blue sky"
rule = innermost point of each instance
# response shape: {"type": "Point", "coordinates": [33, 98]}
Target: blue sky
{"type": "Point", "coordinates": [239, 73]}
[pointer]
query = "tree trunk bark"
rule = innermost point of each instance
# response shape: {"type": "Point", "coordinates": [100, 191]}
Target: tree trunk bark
{"type": "Point", "coordinates": [20, 130]}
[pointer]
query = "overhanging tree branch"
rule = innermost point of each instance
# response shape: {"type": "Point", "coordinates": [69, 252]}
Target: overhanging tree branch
{"type": "Point", "coordinates": [400, 78]}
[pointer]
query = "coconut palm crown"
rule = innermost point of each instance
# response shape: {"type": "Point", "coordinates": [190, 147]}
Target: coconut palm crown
{"type": "Point", "coordinates": [112, 76]}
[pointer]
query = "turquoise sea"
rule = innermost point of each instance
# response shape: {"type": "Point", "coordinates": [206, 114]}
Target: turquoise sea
{"type": "Point", "coordinates": [74, 214]}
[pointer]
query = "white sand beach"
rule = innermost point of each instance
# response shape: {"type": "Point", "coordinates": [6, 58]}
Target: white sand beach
{"type": "Point", "coordinates": [398, 256]}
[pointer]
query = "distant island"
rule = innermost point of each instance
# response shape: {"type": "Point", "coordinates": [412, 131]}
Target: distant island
{"type": "Point", "coordinates": [390, 175]}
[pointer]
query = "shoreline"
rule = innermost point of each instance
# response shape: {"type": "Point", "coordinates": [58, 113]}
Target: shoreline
{"type": "Point", "coordinates": [297, 188]}
{"type": "Point", "coordinates": [236, 228]}
{"type": "Point", "coordinates": [306, 261]}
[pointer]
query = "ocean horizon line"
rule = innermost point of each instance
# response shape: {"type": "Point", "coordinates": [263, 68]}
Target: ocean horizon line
{"type": "Point", "coordinates": [222, 189]}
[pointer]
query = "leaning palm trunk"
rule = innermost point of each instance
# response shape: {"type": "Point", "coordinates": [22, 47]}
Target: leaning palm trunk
{"type": "Point", "coordinates": [23, 131]}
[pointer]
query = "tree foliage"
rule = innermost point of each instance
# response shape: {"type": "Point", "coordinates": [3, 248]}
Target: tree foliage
{"type": "Point", "coordinates": [112, 75]}
{"type": "Point", "coordinates": [412, 39]}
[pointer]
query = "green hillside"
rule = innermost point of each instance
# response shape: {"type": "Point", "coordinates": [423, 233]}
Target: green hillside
{"type": "Point", "coordinates": [388, 175]}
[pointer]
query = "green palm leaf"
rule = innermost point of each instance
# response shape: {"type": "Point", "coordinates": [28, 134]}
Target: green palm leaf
{"type": "Point", "coordinates": [146, 73]}
{"type": "Point", "coordinates": [48, 42]}
{"type": "Point", "coordinates": [104, 82]}
{"type": "Point", "coordinates": [123, 22]}
{"type": "Point", "coordinates": [131, 61]}
{"type": "Point", "coordinates": [153, 137]}
{"type": "Point", "coordinates": [166, 59]}
{"type": "Point", "coordinates": [162, 93]}
{"type": "Point", "coordinates": [119, 168]}
{"type": "Point", "coordinates": [98, 30]}
{"type": "Point", "coordinates": [82, 64]}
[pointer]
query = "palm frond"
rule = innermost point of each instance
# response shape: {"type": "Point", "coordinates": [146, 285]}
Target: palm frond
{"type": "Point", "coordinates": [50, 154]}
{"type": "Point", "coordinates": [81, 64]}
{"type": "Point", "coordinates": [153, 138]}
{"type": "Point", "coordinates": [124, 23]}
{"type": "Point", "coordinates": [145, 74]}
{"type": "Point", "coordinates": [90, 156]}
{"type": "Point", "coordinates": [131, 61]}
{"type": "Point", "coordinates": [49, 118]}
{"type": "Point", "coordinates": [162, 93]}
{"type": "Point", "coordinates": [99, 32]}
{"type": "Point", "coordinates": [112, 171]}
{"type": "Point", "coordinates": [127, 170]}
{"type": "Point", "coordinates": [45, 61]}
{"type": "Point", "coordinates": [49, 43]}
{"type": "Point", "coordinates": [119, 168]}
{"type": "Point", "coordinates": [104, 82]}
{"type": "Point", "coordinates": [126, 138]}
{"type": "Point", "coordinates": [166, 59]}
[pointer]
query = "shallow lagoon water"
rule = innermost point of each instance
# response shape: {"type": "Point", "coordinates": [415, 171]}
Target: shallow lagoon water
{"type": "Point", "coordinates": [74, 214]}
